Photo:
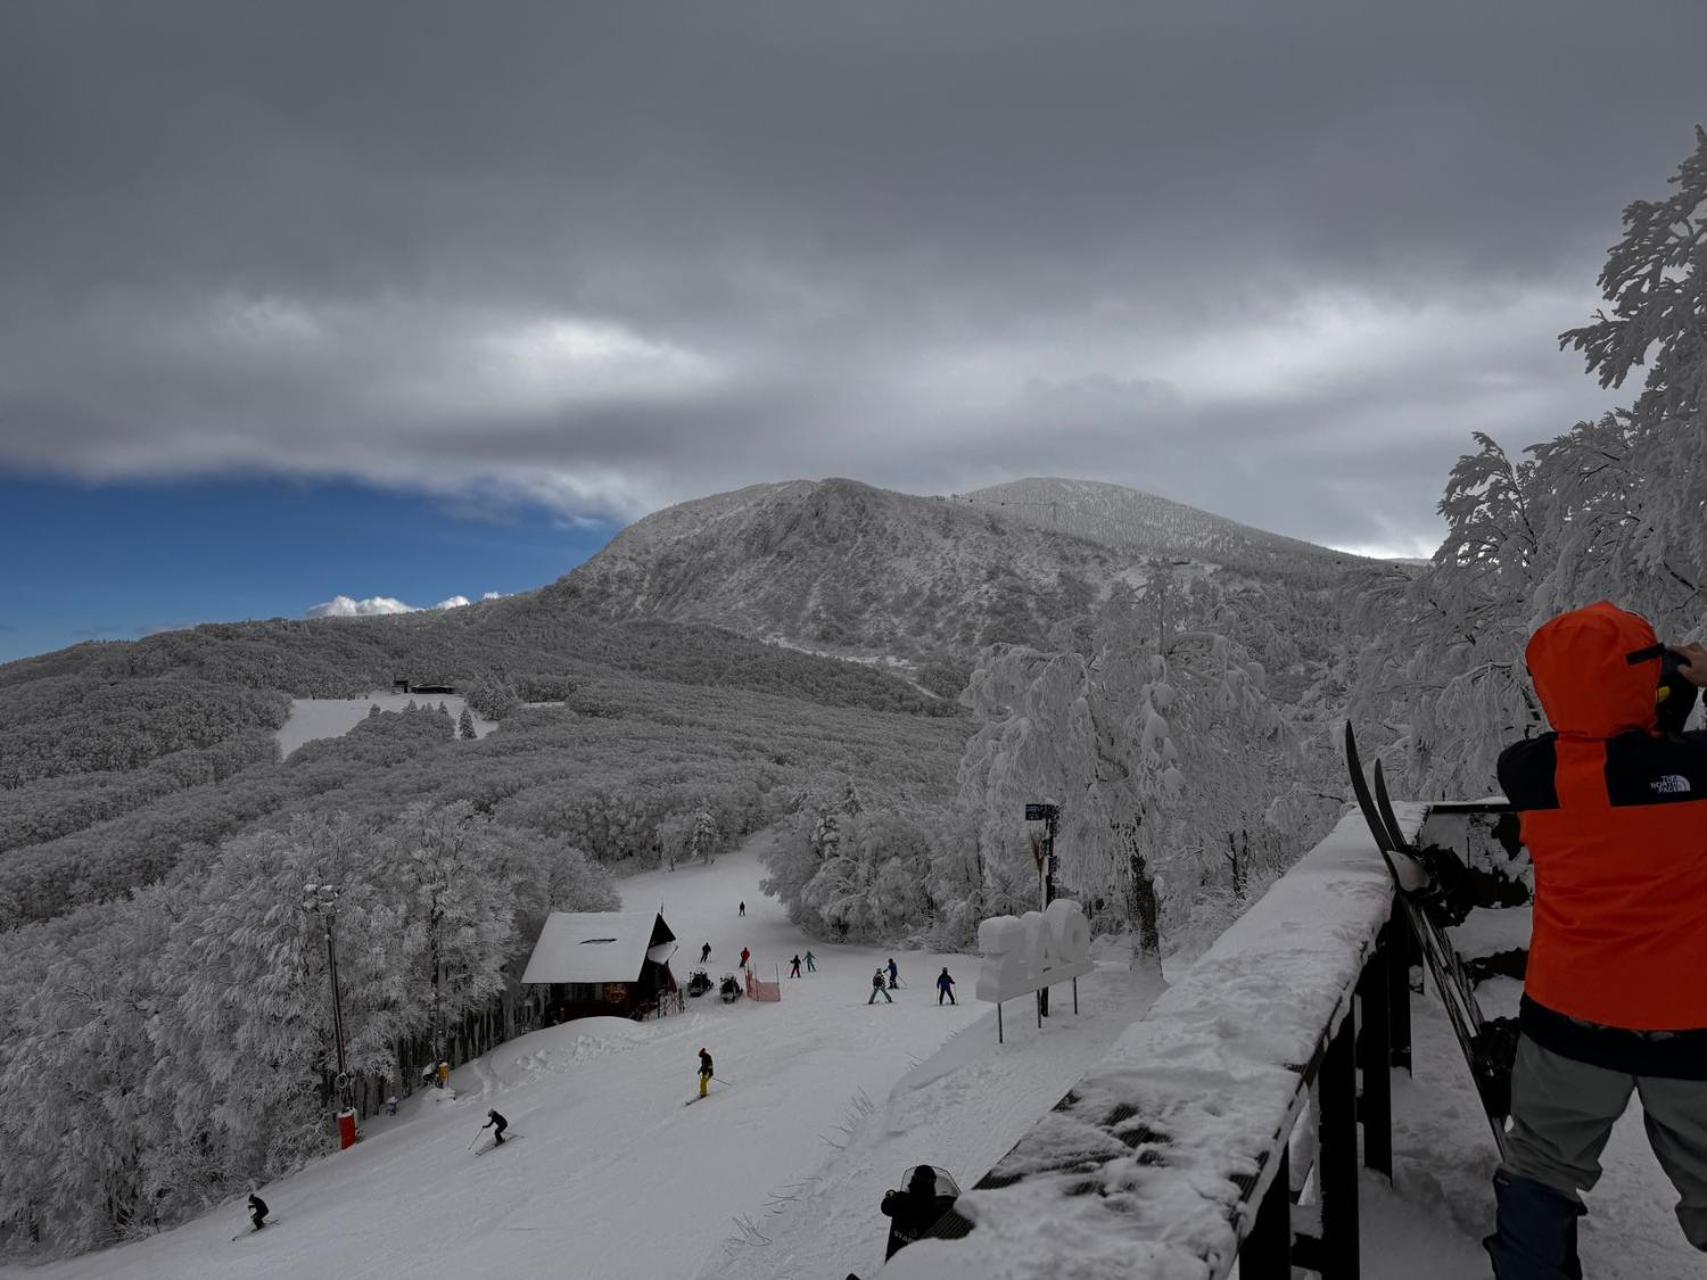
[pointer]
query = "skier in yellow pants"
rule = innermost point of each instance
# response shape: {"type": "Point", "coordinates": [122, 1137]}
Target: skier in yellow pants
{"type": "Point", "coordinates": [704, 1072]}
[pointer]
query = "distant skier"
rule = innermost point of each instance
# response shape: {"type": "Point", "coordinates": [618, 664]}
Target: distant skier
{"type": "Point", "coordinates": [745, 957]}
{"type": "Point", "coordinates": [877, 988]}
{"type": "Point", "coordinates": [705, 953]}
{"type": "Point", "coordinates": [257, 1211]}
{"type": "Point", "coordinates": [945, 987]}
{"type": "Point", "coordinates": [705, 1074]}
{"type": "Point", "coordinates": [894, 974]}
{"type": "Point", "coordinates": [444, 1074]}
{"type": "Point", "coordinates": [811, 963]}
{"type": "Point", "coordinates": [497, 1124]}
{"type": "Point", "coordinates": [743, 910]}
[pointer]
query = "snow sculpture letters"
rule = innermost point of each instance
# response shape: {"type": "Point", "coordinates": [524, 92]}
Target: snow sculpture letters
{"type": "Point", "coordinates": [1027, 953]}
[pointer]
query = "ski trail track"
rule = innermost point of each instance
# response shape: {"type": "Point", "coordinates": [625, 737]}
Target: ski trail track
{"type": "Point", "coordinates": [962, 1108]}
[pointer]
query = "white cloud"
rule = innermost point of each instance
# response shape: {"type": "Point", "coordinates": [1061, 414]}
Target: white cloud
{"type": "Point", "coordinates": [377, 606]}
{"type": "Point", "coordinates": [348, 607]}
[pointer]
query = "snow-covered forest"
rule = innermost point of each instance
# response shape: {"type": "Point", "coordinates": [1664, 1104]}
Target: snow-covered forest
{"type": "Point", "coordinates": [1610, 509]}
{"type": "Point", "coordinates": [164, 1035]}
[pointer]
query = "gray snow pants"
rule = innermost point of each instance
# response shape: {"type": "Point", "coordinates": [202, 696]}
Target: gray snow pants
{"type": "Point", "coordinates": [1563, 1112]}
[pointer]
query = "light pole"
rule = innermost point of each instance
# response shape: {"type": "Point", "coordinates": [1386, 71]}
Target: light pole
{"type": "Point", "coordinates": [1050, 816]}
{"type": "Point", "coordinates": [322, 900]}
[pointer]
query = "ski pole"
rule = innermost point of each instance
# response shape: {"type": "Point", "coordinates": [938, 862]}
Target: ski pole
{"type": "Point", "coordinates": [476, 1139]}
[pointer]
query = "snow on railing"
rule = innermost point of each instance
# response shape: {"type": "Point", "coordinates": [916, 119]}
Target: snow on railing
{"type": "Point", "coordinates": [1171, 1158]}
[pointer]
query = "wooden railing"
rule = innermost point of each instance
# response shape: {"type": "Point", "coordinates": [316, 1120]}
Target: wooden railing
{"type": "Point", "coordinates": [1222, 1127]}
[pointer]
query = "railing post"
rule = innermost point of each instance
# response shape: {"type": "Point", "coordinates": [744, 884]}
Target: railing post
{"type": "Point", "coordinates": [1400, 949]}
{"type": "Point", "coordinates": [1375, 1101]}
{"type": "Point", "coordinates": [1266, 1252]}
{"type": "Point", "coordinates": [1336, 1163]}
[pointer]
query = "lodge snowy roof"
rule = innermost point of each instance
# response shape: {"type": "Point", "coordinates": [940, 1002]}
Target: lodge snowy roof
{"type": "Point", "coordinates": [597, 946]}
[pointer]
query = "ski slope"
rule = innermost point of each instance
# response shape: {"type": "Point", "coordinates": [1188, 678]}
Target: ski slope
{"type": "Point", "coordinates": [820, 1103]}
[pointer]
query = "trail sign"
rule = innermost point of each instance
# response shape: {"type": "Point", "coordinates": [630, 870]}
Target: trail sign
{"type": "Point", "coordinates": [1040, 812]}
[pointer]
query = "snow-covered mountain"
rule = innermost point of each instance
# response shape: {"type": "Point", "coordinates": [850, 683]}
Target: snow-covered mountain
{"type": "Point", "coordinates": [847, 568]}
{"type": "Point", "coordinates": [1117, 516]}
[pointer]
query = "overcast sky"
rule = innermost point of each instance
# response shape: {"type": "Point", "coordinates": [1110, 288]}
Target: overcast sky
{"type": "Point", "coordinates": [1275, 260]}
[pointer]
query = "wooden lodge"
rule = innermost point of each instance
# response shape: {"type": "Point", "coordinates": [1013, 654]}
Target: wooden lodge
{"type": "Point", "coordinates": [407, 686]}
{"type": "Point", "coordinates": [603, 963]}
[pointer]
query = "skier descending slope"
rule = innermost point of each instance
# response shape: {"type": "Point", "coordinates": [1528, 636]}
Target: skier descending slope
{"type": "Point", "coordinates": [706, 1071]}
{"type": "Point", "coordinates": [1613, 806]}
{"type": "Point", "coordinates": [257, 1211]}
{"type": "Point", "coordinates": [497, 1124]}
{"type": "Point", "coordinates": [878, 989]}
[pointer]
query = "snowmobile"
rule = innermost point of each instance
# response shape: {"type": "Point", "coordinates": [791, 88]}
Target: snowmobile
{"type": "Point", "coordinates": [699, 983]}
{"type": "Point", "coordinates": [729, 988]}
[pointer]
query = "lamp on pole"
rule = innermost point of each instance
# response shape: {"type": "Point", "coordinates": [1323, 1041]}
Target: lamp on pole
{"type": "Point", "coordinates": [322, 900]}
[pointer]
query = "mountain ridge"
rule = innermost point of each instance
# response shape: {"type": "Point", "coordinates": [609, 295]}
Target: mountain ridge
{"type": "Point", "coordinates": [846, 568]}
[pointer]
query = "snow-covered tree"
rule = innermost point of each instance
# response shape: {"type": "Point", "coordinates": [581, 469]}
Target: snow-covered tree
{"type": "Point", "coordinates": [465, 726]}
{"type": "Point", "coordinates": [460, 911]}
{"type": "Point", "coordinates": [1611, 509]}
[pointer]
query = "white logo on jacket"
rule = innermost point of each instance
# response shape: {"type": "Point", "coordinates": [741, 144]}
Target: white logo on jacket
{"type": "Point", "coordinates": [1670, 784]}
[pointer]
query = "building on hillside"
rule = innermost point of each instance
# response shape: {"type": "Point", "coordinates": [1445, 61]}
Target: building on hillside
{"type": "Point", "coordinates": [603, 963]}
{"type": "Point", "coordinates": [409, 686]}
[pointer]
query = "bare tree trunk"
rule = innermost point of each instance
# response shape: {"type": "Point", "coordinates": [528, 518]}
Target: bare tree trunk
{"type": "Point", "coordinates": [1143, 910]}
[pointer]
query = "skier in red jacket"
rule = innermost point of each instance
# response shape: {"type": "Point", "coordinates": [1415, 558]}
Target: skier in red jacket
{"type": "Point", "coordinates": [1613, 807]}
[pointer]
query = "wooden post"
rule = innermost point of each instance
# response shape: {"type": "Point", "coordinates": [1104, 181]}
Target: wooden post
{"type": "Point", "coordinates": [1399, 952]}
{"type": "Point", "coordinates": [1336, 1161]}
{"type": "Point", "coordinates": [1374, 1057]}
{"type": "Point", "coordinates": [1266, 1253]}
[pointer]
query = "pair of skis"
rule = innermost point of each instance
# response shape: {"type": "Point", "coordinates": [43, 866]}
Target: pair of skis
{"type": "Point", "coordinates": [1429, 892]}
{"type": "Point", "coordinates": [252, 1230]}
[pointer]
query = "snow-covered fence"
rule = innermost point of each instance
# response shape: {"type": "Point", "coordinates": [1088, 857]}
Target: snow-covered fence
{"type": "Point", "coordinates": [1173, 1156]}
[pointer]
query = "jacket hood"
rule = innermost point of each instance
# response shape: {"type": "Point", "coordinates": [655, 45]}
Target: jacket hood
{"type": "Point", "coordinates": [1587, 688]}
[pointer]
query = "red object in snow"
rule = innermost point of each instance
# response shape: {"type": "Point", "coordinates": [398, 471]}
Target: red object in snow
{"type": "Point", "coordinates": [346, 1130]}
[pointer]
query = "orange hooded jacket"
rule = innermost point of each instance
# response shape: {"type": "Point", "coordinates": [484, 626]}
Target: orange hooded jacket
{"type": "Point", "coordinates": [1615, 818]}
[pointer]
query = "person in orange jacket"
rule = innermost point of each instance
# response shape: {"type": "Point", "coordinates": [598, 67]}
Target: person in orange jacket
{"type": "Point", "coordinates": [1613, 810]}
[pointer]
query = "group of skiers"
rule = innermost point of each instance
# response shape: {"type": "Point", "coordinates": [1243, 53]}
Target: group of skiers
{"type": "Point", "coordinates": [880, 987]}
{"type": "Point", "coordinates": [705, 954]}
{"type": "Point", "coordinates": [794, 965]}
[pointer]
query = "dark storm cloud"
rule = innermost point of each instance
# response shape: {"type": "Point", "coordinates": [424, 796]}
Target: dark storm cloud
{"type": "Point", "coordinates": [1277, 260]}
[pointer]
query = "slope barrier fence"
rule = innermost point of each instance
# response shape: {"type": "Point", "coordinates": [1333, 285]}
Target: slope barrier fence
{"type": "Point", "coordinates": [1224, 1126]}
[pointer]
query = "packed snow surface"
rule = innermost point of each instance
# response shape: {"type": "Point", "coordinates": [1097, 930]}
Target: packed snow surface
{"type": "Point", "coordinates": [819, 1105]}
{"type": "Point", "coordinates": [312, 718]}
